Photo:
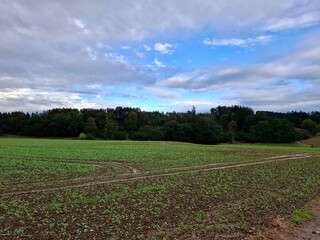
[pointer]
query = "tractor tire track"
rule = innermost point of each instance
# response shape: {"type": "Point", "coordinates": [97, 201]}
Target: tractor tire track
{"type": "Point", "coordinates": [104, 169]}
{"type": "Point", "coordinates": [131, 177]}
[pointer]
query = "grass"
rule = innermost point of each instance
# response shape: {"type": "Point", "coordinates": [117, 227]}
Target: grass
{"type": "Point", "coordinates": [301, 215]}
{"type": "Point", "coordinates": [312, 142]}
{"type": "Point", "coordinates": [220, 203]}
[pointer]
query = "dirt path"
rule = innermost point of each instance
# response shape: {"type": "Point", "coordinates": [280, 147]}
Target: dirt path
{"type": "Point", "coordinates": [133, 175]}
{"type": "Point", "coordinates": [308, 230]}
{"type": "Point", "coordinates": [104, 169]}
{"type": "Point", "coordinates": [283, 230]}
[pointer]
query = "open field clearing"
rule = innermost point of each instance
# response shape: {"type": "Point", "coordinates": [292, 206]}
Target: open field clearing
{"type": "Point", "coordinates": [68, 189]}
{"type": "Point", "coordinates": [314, 142]}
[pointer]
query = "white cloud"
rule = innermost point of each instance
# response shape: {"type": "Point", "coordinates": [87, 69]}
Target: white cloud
{"type": "Point", "coordinates": [157, 63]}
{"type": "Point", "coordinates": [201, 105]}
{"type": "Point", "coordinates": [97, 103]}
{"type": "Point", "coordinates": [26, 99]}
{"type": "Point", "coordinates": [116, 58]}
{"type": "Point", "coordinates": [161, 93]}
{"type": "Point", "coordinates": [129, 23]}
{"type": "Point", "coordinates": [177, 81]}
{"type": "Point", "coordinates": [304, 20]}
{"type": "Point", "coordinates": [79, 24]}
{"type": "Point", "coordinates": [49, 46]}
{"type": "Point", "coordinates": [312, 54]}
{"type": "Point", "coordinates": [238, 42]}
{"type": "Point", "coordinates": [164, 48]}
{"type": "Point", "coordinates": [125, 47]}
{"type": "Point", "coordinates": [92, 54]}
{"type": "Point", "coordinates": [276, 99]}
{"type": "Point", "coordinates": [103, 46]}
{"type": "Point", "coordinates": [139, 54]}
{"type": "Point", "coordinates": [285, 83]}
{"type": "Point", "coordinates": [147, 48]}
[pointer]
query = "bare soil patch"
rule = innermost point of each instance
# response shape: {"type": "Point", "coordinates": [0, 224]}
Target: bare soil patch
{"type": "Point", "coordinates": [281, 229]}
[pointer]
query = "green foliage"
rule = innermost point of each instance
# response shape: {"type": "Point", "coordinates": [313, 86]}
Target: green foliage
{"type": "Point", "coordinates": [90, 136]}
{"type": "Point", "coordinates": [147, 189]}
{"type": "Point", "coordinates": [111, 129]}
{"type": "Point", "coordinates": [185, 227]}
{"type": "Point", "coordinates": [222, 124]}
{"type": "Point", "coordinates": [232, 129]}
{"type": "Point", "coordinates": [82, 136]}
{"type": "Point", "coordinates": [275, 130]}
{"type": "Point", "coordinates": [301, 215]}
{"type": "Point", "coordinates": [309, 125]}
{"type": "Point", "coordinates": [131, 121]}
{"type": "Point", "coordinates": [148, 133]}
{"type": "Point", "coordinates": [90, 127]}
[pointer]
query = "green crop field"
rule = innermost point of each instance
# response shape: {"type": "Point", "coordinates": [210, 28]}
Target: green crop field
{"type": "Point", "coordinates": [71, 189]}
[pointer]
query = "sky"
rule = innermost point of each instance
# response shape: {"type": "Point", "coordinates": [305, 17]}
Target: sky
{"type": "Point", "coordinates": [164, 55]}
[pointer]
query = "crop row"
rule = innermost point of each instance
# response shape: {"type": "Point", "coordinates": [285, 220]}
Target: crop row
{"type": "Point", "coordinates": [220, 204]}
{"type": "Point", "coordinates": [27, 164]}
{"type": "Point", "coordinates": [144, 155]}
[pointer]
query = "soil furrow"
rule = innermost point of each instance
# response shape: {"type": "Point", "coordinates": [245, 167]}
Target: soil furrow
{"type": "Point", "coordinates": [131, 177]}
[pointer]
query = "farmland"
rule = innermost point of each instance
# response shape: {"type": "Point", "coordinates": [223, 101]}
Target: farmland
{"type": "Point", "coordinates": [61, 189]}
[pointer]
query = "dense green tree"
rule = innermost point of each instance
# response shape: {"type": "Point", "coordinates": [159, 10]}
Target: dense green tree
{"type": "Point", "coordinates": [111, 128]}
{"type": "Point", "coordinates": [264, 131]}
{"type": "Point", "coordinates": [34, 126]}
{"type": "Point", "coordinates": [131, 121]}
{"type": "Point", "coordinates": [232, 129]}
{"type": "Point", "coordinates": [224, 120]}
{"type": "Point", "coordinates": [16, 121]}
{"type": "Point", "coordinates": [2, 124]}
{"type": "Point", "coordinates": [171, 131]}
{"type": "Point", "coordinates": [283, 131]}
{"type": "Point", "coordinates": [143, 119]}
{"type": "Point", "coordinates": [309, 125]}
{"type": "Point", "coordinates": [315, 116]}
{"type": "Point", "coordinates": [90, 127]}
{"type": "Point", "coordinates": [222, 124]}
{"type": "Point", "coordinates": [148, 132]}
{"type": "Point", "coordinates": [157, 118]}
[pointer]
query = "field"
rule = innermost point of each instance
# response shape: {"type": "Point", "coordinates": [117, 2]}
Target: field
{"type": "Point", "coordinates": [312, 142]}
{"type": "Point", "coordinates": [70, 189]}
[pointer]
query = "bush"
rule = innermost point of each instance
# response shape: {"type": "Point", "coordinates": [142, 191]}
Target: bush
{"type": "Point", "coordinates": [148, 133]}
{"type": "Point", "coordinates": [90, 136]}
{"type": "Point", "coordinates": [246, 137]}
{"type": "Point", "coordinates": [309, 125]}
{"type": "Point", "coordinates": [121, 135]}
{"type": "Point", "coordinates": [82, 136]}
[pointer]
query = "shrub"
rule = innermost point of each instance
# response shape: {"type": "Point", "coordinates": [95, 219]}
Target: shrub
{"type": "Point", "coordinates": [90, 136]}
{"type": "Point", "coordinates": [82, 136]}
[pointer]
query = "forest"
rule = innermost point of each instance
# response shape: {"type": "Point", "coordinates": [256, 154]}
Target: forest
{"type": "Point", "coordinates": [221, 124]}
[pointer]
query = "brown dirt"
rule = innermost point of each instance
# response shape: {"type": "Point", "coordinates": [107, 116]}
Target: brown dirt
{"type": "Point", "coordinates": [282, 230]}
{"type": "Point", "coordinates": [134, 174]}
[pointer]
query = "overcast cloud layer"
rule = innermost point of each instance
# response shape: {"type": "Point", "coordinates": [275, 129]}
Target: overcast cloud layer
{"type": "Point", "coordinates": [160, 55]}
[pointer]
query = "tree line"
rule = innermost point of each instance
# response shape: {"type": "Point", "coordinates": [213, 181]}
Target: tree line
{"type": "Point", "coordinates": [221, 124]}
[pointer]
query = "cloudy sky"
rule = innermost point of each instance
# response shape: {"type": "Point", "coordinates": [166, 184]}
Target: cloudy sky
{"type": "Point", "coordinates": [160, 55]}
